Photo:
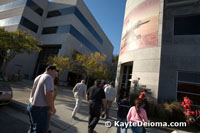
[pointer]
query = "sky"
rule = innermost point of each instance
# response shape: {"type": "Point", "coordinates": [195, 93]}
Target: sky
{"type": "Point", "coordinates": [110, 15]}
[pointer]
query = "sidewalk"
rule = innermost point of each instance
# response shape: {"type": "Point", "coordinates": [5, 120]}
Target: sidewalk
{"type": "Point", "coordinates": [62, 122]}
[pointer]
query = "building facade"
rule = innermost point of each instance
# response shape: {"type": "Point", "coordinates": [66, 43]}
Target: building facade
{"type": "Point", "coordinates": [160, 46]}
{"type": "Point", "coordinates": [62, 26]}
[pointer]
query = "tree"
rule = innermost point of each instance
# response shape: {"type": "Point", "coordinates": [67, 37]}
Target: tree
{"type": "Point", "coordinates": [113, 67]}
{"type": "Point", "coordinates": [61, 63]}
{"type": "Point", "coordinates": [13, 43]}
{"type": "Point", "coordinates": [93, 66]}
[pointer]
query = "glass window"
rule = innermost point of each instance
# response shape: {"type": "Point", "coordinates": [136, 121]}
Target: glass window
{"type": "Point", "coordinates": [73, 31]}
{"type": "Point", "coordinates": [189, 77]}
{"type": "Point", "coordinates": [188, 85]}
{"type": "Point", "coordinates": [34, 7]}
{"type": "Point", "coordinates": [28, 24]}
{"type": "Point", "coordinates": [187, 25]}
{"type": "Point", "coordinates": [12, 5]}
{"type": "Point", "coordinates": [171, 1]}
{"type": "Point", "coordinates": [66, 11]}
{"type": "Point", "coordinates": [79, 15]}
{"type": "Point", "coordinates": [82, 39]}
{"type": "Point", "coordinates": [10, 21]}
{"type": "Point", "coordinates": [53, 14]}
{"type": "Point", "coordinates": [64, 29]}
{"type": "Point", "coordinates": [87, 25]}
{"type": "Point", "coordinates": [50, 30]}
{"type": "Point", "coordinates": [60, 12]}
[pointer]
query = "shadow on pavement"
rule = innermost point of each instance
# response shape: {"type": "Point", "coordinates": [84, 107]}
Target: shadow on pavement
{"type": "Point", "coordinates": [56, 124]}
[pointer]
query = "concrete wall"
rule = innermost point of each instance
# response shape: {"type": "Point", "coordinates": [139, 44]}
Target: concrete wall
{"type": "Point", "coordinates": [146, 62]}
{"type": "Point", "coordinates": [179, 52]}
{"type": "Point", "coordinates": [23, 62]}
{"type": "Point", "coordinates": [2, 2]}
{"type": "Point", "coordinates": [12, 12]}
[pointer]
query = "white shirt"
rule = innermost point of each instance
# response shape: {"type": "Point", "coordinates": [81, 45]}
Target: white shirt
{"type": "Point", "coordinates": [110, 92]}
{"type": "Point", "coordinates": [80, 90]}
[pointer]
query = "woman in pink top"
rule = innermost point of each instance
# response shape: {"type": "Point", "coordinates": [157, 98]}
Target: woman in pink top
{"type": "Point", "coordinates": [137, 114]}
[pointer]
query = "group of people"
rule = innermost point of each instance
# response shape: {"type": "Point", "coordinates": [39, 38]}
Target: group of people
{"type": "Point", "coordinates": [100, 98]}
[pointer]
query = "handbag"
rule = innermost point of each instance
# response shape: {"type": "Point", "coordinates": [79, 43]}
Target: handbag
{"type": "Point", "coordinates": [143, 128]}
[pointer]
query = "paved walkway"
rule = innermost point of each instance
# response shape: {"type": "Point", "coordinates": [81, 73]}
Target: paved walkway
{"type": "Point", "coordinates": [62, 122]}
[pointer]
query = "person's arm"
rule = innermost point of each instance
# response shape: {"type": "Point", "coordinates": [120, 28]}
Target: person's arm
{"type": "Point", "coordinates": [74, 89]}
{"type": "Point", "coordinates": [103, 98]}
{"type": "Point", "coordinates": [145, 116]}
{"type": "Point", "coordinates": [129, 115]}
{"type": "Point", "coordinates": [50, 101]}
{"type": "Point", "coordinates": [48, 90]}
{"type": "Point", "coordinates": [104, 103]}
{"type": "Point", "coordinates": [86, 97]}
{"type": "Point", "coordinates": [115, 95]}
{"type": "Point", "coordinates": [105, 90]}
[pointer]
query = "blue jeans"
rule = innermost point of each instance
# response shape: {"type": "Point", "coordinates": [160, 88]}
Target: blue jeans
{"type": "Point", "coordinates": [136, 129]}
{"type": "Point", "coordinates": [38, 119]}
{"type": "Point", "coordinates": [124, 129]}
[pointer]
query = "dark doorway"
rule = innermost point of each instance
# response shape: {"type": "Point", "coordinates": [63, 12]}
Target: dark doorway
{"type": "Point", "coordinates": [46, 52]}
{"type": "Point", "coordinates": [126, 77]}
{"type": "Point", "coordinates": [73, 78]}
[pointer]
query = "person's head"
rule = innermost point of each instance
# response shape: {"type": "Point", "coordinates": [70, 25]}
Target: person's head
{"type": "Point", "coordinates": [138, 104]}
{"type": "Point", "coordinates": [111, 83]}
{"type": "Point", "coordinates": [145, 91]}
{"type": "Point", "coordinates": [102, 81]}
{"type": "Point", "coordinates": [51, 70]}
{"type": "Point", "coordinates": [96, 82]}
{"type": "Point", "coordinates": [83, 81]}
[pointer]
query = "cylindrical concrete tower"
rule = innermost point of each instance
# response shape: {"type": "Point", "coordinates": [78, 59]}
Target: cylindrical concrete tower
{"type": "Point", "coordinates": [140, 48]}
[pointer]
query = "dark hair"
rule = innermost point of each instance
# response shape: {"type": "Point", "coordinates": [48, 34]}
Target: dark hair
{"type": "Point", "coordinates": [145, 90]}
{"type": "Point", "coordinates": [138, 104]}
{"type": "Point", "coordinates": [97, 82]}
{"type": "Point", "coordinates": [50, 68]}
{"type": "Point", "coordinates": [111, 83]}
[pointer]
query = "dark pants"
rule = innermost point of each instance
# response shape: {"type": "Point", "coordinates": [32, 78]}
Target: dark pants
{"type": "Point", "coordinates": [94, 115]}
{"type": "Point", "coordinates": [38, 119]}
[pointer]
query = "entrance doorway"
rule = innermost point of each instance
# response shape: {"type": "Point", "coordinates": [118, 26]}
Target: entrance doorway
{"type": "Point", "coordinates": [126, 77]}
{"type": "Point", "coordinates": [46, 52]}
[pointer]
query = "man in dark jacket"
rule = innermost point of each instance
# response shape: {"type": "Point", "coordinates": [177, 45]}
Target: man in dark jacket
{"type": "Point", "coordinates": [95, 96]}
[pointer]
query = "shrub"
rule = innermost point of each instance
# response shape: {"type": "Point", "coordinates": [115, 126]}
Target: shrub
{"type": "Point", "coordinates": [175, 112]}
{"type": "Point", "coordinates": [167, 112]}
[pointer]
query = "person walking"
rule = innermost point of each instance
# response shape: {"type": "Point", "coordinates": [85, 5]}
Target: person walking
{"type": "Point", "coordinates": [95, 96]}
{"type": "Point", "coordinates": [102, 83]}
{"type": "Point", "coordinates": [123, 108]}
{"type": "Point", "coordinates": [41, 101]}
{"type": "Point", "coordinates": [79, 92]}
{"type": "Point", "coordinates": [110, 92]}
{"type": "Point", "coordinates": [137, 114]}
